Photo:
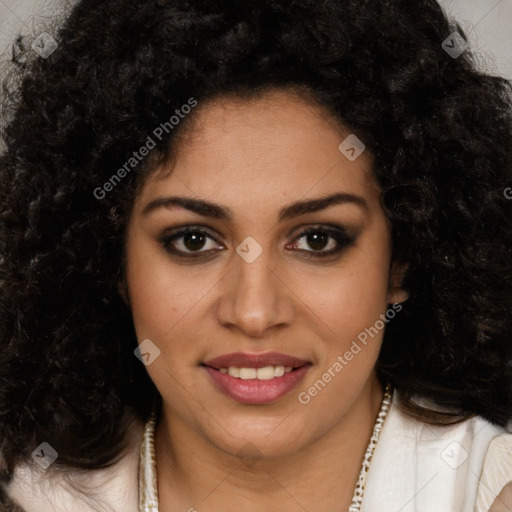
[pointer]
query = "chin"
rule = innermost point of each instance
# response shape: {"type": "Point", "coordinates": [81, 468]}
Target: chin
{"type": "Point", "coordinates": [264, 439]}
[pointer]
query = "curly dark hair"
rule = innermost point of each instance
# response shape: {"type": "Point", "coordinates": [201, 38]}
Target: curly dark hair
{"type": "Point", "coordinates": [441, 133]}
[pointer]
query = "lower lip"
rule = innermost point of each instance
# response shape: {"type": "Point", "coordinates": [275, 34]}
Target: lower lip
{"type": "Point", "coordinates": [254, 391]}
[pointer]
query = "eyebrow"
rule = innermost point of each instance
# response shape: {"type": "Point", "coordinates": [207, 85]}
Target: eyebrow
{"type": "Point", "coordinates": [216, 211]}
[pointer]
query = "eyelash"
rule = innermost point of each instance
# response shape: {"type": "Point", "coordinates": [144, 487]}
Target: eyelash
{"type": "Point", "coordinates": [342, 238]}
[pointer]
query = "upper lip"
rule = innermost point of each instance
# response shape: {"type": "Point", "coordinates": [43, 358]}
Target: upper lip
{"type": "Point", "coordinates": [246, 360]}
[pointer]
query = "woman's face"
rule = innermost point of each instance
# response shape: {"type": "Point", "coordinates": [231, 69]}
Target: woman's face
{"type": "Point", "coordinates": [245, 279]}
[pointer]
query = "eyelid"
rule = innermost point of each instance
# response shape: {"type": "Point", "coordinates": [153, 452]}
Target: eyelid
{"type": "Point", "coordinates": [185, 228]}
{"type": "Point", "coordinates": [326, 226]}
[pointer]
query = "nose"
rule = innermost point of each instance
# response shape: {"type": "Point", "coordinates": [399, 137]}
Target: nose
{"type": "Point", "coordinates": [255, 299]}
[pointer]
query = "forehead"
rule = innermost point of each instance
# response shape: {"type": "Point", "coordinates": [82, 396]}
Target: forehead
{"type": "Point", "coordinates": [276, 146]}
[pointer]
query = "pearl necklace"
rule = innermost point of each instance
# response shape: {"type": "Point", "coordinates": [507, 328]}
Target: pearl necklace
{"type": "Point", "coordinates": [148, 493]}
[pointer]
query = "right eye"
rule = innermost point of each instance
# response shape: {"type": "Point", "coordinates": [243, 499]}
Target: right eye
{"type": "Point", "coordinates": [188, 242]}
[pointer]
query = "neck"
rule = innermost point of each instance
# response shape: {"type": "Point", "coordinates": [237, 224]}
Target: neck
{"type": "Point", "coordinates": [193, 473]}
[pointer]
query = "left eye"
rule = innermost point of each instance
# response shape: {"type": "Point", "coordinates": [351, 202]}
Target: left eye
{"type": "Point", "coordinates": [318, 240]}
{"type": "Point", "coordinates": [192, 242]}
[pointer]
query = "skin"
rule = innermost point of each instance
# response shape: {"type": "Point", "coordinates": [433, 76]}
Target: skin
{"type": "Point", "coordinates": [255, 157]}
{"type": "Point", "coordinates": [503, 502]}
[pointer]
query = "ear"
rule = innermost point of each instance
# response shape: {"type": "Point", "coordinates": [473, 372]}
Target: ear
{"type": "Point", "coordinates": [396, 293]}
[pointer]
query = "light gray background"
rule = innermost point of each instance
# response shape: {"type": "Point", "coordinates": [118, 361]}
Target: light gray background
{"type": "Point", "coordinates": [486, 23]}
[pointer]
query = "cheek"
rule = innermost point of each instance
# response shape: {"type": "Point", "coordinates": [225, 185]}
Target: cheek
{"type": "Point", "coordinates": [160, 296]}
{"type": "Point", "coordinates": [354, 294]}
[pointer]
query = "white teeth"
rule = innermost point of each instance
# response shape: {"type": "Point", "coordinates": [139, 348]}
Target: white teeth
{"type": "Point", "coordinates": [279, 371]}
{"type": "Point", "coordinates": [234, 371]}
{"type": "Point", "coordinates": [248, 373]}
{"type": "Point", "coordinates": [265, 373]}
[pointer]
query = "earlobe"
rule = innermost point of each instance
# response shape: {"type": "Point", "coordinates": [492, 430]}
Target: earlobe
{"type": "Point", "coordinates": [396, 293]}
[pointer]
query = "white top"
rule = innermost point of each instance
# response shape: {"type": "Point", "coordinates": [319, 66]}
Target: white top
{"type": "Point", "coordinates": [416, 467]}
{"type": "Point", "coordinates": [419, 467]}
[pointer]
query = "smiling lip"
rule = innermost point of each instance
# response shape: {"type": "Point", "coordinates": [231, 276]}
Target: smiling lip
{"type": "Point", "coordinates": [244, 360]}
{"type": "Point", "coordinates": [255, 391]}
